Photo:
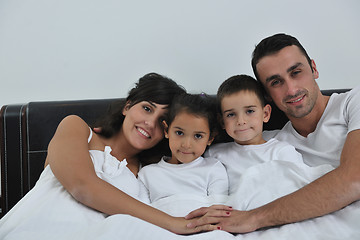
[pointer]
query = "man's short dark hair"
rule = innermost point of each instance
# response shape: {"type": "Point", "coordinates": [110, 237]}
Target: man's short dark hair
{"type": "Point", "coordinates": [274, 44]}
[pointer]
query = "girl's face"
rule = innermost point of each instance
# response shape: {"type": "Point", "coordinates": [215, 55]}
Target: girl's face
{"type": "Point", "coordinates": [188, 137]}
{"type": "Point", "coordinates": [243, 117]}
{"type": "Point", "coordinates": [142, 126]}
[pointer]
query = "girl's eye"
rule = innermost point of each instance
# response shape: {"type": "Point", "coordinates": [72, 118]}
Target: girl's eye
{"type": "Point", "coordinates": [230, 115]}
{"type": "Point", "coordinates": [198, 136]}
{"type": "Point", "coordinates": [179, 133]}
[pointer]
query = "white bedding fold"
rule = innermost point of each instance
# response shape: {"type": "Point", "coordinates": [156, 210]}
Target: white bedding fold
{"type": "Point", "coordinates": [258, 185]}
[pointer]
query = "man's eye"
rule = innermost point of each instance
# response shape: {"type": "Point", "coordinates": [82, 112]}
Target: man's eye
{"type": "Point", "coordinates": [275, 82]}
{"type": "Point", "coordinates": [294, 73]}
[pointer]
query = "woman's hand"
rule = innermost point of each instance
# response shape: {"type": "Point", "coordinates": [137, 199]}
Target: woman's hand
{"type": "Point", "coordinates": [208, 217]}
{"type": "Point", "coordinates": [224, 218]}
{"type": "Point", "coordinates": [179, 225]}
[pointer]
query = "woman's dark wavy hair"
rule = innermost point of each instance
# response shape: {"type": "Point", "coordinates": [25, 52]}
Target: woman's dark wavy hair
{"type": "Point", "coordinates": [152, 87]}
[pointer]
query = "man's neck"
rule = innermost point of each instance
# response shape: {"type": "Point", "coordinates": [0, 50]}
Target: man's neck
{"type": "Point", "coordinates": [306, 125]}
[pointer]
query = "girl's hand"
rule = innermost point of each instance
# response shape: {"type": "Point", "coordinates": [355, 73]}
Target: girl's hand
{"type": "Point", "coordinates": [97, 129]}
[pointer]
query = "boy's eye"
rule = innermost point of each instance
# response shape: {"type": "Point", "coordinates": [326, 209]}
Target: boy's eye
{"type": "Point", "coordinates": [230, 115]}
{"type": "Point", "coordinates": [198, 136]}
{"type": "Point", "coordinates": [249, 111]}
{"type": "Point", "coordinates": [179, 133]}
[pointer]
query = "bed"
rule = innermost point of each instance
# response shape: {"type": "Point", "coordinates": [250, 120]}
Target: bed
{"type": "Point", "coordinates": [26, 129]}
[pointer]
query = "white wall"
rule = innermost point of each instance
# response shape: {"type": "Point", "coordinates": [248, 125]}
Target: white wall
{"type": "Point", "coordinates": [82, 49]}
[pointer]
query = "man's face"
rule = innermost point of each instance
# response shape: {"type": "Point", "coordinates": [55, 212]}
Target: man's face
{"type": "Point", "coordinates": [290, 81]}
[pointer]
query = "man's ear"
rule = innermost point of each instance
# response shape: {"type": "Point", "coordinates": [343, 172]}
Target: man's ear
{"type": "Point", "coordinates": [267, 113]}
{"type": "Point", "coordinates": [166, 129]}
{"type": "Point", "coordinates": [314, 69]}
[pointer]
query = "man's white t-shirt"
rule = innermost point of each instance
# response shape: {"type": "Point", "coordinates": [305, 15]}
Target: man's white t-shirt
{"type": "Point", "coordinates": [324, 145]}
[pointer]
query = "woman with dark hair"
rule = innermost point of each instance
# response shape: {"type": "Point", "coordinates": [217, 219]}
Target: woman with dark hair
{"type": "Point", "coordinates": [92, 175]}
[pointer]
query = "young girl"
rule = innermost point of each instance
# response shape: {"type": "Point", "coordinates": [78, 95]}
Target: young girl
{"type": "Point", "coordinates": [185, 175]}
{"type": "Point", "coordinates": [90, 176]}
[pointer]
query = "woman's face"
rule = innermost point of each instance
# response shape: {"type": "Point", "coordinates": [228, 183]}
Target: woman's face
{"type": "Point", "coordinates": [142, 126]}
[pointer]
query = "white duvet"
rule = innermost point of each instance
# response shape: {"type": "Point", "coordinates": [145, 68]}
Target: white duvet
{"type": "Point", "coordinates": [258, 185]}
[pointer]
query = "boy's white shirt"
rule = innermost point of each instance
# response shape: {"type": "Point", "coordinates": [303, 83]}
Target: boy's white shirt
{"type": "Point", "coordinates": [238, 158]}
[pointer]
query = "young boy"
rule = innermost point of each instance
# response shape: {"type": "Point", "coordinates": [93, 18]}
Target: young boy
{"type": "Point", "coordinates": [243, 111]}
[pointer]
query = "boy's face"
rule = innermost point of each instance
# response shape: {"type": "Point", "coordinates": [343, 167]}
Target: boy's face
{"type": "Point", "coordinates": [188, 137]}
{"type": "Point", "coordinates": [243, 117]}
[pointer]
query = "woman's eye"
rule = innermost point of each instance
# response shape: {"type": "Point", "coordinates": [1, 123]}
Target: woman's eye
{"type": "Point", "coordinates": [147, 108]}
{"type": "Point", "coordinates": [198, 136]}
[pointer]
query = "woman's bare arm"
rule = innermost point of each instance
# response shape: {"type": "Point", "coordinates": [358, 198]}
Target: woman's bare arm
{"type": "Point", "coordinates": [69, 159]}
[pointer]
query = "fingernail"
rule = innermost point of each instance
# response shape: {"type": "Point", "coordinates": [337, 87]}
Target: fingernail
{"type": "Point", "coordinates": [219, 228]}
{"type": "Point", "coordinates": [230, 207]}
{"type": "Point", "coordinates": [227, 213]}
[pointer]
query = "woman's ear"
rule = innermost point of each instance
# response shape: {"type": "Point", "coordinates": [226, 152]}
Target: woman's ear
{"type": "Point", "coordinates": [166, 129]}
{"type": "Point", "coordinates": [267, 113]}
{"type": "Point", "coordinates": [126, 108]}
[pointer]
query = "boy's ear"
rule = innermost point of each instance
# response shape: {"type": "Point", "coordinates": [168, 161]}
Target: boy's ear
{"type": "Point", "coordinates": [267, 113]}
{"type": "Point", "coordinates": [166, 128]}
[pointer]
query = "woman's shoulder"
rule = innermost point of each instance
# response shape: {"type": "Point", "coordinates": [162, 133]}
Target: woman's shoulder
{"type": "Point", "coordinates": [73, 126]}
{"type": "Point", "coordinates": [73, 120]}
